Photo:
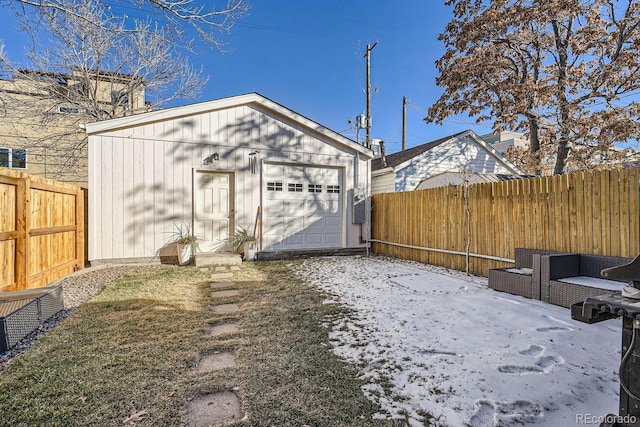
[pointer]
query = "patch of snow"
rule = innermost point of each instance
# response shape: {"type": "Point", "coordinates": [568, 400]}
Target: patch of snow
{"type": "Point", "coordinates": [434, 341]}
{"type": "Point", "coordinates": [525, 271]}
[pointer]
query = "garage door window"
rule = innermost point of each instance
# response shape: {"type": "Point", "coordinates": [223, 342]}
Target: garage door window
{"type": "Point", "coordinates": [333, 189]}
{"type": "Point", "coordinates": [315, 188]}
{"type": "Point", "coordinates": [274, 186]}
{"type": "Point", "coordinates": [296, 188]}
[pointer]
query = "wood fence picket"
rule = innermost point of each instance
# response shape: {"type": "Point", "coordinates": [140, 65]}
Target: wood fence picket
{"type": "Point", "coordinates": [593, 212]}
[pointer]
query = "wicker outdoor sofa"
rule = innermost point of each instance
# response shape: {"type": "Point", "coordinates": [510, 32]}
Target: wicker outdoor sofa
{"type": "Point", "coordinates": [524, 279]}
{"type": "Point", "coordinates": [571, 278]}
{"type": "Point", "coordinates": [555, 277]}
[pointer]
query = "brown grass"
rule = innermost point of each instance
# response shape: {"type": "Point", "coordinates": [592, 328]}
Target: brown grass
{"type": "Point", "coordinates": [136, 345]}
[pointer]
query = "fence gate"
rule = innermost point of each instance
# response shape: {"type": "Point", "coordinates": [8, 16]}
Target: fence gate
{"type": "Point", "coordinates": [42, 227]}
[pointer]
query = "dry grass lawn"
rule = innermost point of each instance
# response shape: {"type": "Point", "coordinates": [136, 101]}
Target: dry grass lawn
{"type": "Point", "coordinates": [135, 347]}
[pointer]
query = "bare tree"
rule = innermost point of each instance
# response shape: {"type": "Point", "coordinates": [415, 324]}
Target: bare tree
{"type": "Point", "coordinates": [94, 66]}
{"type": "Point", "coordinates": [563, 71]}
{"type": "Point", "coordinates": [179, 16]}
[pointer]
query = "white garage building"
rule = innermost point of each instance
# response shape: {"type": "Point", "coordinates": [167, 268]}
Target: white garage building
{"type": "Point", "coordinates": [213, 166]}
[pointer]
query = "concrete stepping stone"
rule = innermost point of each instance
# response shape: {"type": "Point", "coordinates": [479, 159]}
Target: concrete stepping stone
{"type": "Point", "coordinates": [214, 409]}
{"type": "Point", "coordinates": [221, 276]}
{"type": "Point", "coordinates": [221, 268]}
{"type": "Point", "coordinates": [222, 294]}
{"type": "Point", "coordinates": [225, 308]}
{"type": "Point", "coordinates": [225, 328]}
{"type": "Point", "coordinates": [216, 362]}
{"type": "Point", "coordinates": [218, 285]}
{"type": "Point", "coordinates": [235, 268]}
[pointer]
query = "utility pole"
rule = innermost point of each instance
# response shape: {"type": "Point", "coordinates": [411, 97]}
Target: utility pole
{"type": "Point", "coordinates": [404, 123]}
{"type": "Point", "coordinates": [367, 55]}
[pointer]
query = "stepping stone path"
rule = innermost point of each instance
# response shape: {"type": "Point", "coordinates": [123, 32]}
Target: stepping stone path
{"type": "Point", "coordinates": [222, 407]}
{"type": "Point", "coordinates": [225, 308]}
{"type": "Point", "coordinates": [219, 285]}
{"type": "Point", "coordinates": [217, 361]}
{"type": "Point", "coordinates": [214, 409]}
{"type": "Point", "coordinates": [225, 328]}
{"type": "Point", "coordinates": [222, 294]}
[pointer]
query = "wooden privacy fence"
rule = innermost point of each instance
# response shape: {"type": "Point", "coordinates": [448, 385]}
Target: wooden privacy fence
{"type": "Point", "coordinates": [587, 212]}
{"type": "Point", "coordinates": [41, 230]}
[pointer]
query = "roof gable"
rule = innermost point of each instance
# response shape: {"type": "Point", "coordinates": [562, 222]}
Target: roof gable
{"type": "Point", "coordinates": [221, 104]}
{"type": "Point", "coordinates": [401, 159]}
{"type": "Point", "coordinates": [396, 159]}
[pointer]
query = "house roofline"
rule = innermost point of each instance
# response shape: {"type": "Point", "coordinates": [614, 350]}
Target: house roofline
{"type": "Point", "coordinates": [471, 134]}
{"type": "Point", "coordinates": [502, 159]}
{"type": "Point", "coordinates": [220, 104]}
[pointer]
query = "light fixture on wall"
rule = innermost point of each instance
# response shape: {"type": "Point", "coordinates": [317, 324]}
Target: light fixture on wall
{"type": "Point", "coordinates": [210, 159]}
{"type": "Point", "coordinates": [253, 160]}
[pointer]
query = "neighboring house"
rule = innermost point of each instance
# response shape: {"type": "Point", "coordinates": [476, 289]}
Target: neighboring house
{"type": "Point", "coordinates": [42, 112]}
{"type": "Point", "coordinates": [502, 141]}
{"type": "Point", "coordinates": [461, 178]}
{"type": "Point", "coordinates": [212, 165]}
{"type": "Point", "coordinates": [464, 151]}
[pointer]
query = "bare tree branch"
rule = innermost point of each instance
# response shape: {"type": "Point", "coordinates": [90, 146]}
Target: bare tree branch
{"type": "Point", "coordinates": [94, 66]}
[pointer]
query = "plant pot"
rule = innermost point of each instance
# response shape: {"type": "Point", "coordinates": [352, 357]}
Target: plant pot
{"type": "Point", "coordinates": [184, 254]}
{"type": "Point", "coordinates": [176, 254]}
{"type": "Point", "coordinates": [250, 249]}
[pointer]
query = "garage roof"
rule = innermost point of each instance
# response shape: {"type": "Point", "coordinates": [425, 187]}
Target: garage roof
{"type": "Point", "coordinates": [220, 104]}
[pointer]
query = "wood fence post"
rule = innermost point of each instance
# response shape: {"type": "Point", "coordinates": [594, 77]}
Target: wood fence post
{"type": "Point", "coordinates": [80, 232]}
{"type": "Point", "coordinates": [22, 241]}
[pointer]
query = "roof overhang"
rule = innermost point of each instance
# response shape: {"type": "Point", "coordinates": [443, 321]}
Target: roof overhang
{"type": "Point", "coordinates": [221, 104]}
{"type": "Point", "coordinates": [379, 172]}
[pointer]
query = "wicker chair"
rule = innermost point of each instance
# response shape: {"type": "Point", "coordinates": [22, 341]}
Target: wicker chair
{"type": "Point", "coordinates": [559, 272]}
{"type": "Point", "coordinates": [524, 279]}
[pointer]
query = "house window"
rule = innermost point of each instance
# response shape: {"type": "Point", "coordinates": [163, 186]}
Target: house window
{"type": "Point", "coordinates": [333, 189]}
{"type": "Point", "coordinates": [119, 97]}
{"type": "Point", "coordinates": [315, 188]}
{"type": "Point", "coordinates": [13, 158]}
{"type": "Point", "coordinates": [274, 186]}
{"type": "Point", "coordinates": [68, 110]}
{"type": "Point", "coordinates": [296, 188]}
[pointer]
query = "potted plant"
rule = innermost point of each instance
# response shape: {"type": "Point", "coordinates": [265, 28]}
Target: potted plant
{"type": "Point", "coordinates": [245, 243]}
{"type": "Point", "coordinates": [181, 247]}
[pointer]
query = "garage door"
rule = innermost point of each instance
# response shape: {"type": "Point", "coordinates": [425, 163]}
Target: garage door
{"type": "Point", "coordinates": [302, 207]}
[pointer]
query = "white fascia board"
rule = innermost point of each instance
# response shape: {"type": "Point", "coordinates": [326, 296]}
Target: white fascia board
{"type": "Point", "coordinates": [166, 114]}
{"type": "Point", "coordinates": [380, 172]}
{"type": "Point", "coordinates": [506, 163]}
{"type": "Point", "coordinates": [221, 104]}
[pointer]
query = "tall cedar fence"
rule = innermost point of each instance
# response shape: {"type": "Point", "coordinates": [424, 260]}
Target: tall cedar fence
{"type": "Point", "coordinates": [42, 227]}
{"type": "Point", "coordinates": [586, 212]}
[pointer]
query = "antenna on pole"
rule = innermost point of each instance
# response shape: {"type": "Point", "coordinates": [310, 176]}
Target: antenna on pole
{"type": "Point", "coordinates": [367, 55]}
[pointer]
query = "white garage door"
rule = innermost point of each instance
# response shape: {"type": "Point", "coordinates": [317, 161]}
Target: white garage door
{"type": "Point", "coordinates": [302, 207]}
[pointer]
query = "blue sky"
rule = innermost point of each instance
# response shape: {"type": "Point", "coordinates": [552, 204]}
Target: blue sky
{"type": "Point", "coordinates": [308, 56]}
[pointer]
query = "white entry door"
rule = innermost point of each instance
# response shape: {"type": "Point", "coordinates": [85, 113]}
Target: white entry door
{"type": "Point", "coordinates": [213, 210]}
{"type": "Point", "coordinates": [303, 207]}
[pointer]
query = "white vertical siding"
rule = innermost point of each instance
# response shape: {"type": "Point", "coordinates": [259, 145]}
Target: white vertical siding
{"type": "Point", "coordinates": [143, 186]}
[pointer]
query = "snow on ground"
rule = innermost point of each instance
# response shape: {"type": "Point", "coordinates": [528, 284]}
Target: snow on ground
{"type": "Point", "coordinates": [433, 342]}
